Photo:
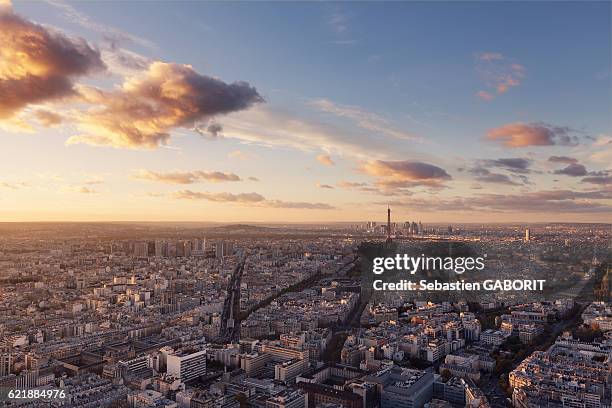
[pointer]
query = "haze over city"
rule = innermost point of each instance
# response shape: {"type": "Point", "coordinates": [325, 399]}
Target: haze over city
{"type": "Point", "coordinates": [305, 112]}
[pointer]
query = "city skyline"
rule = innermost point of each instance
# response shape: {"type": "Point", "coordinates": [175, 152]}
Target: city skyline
{"type": "Point", "coordinates": [305, 112]}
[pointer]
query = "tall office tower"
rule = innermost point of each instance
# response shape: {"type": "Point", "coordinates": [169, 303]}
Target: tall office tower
{"type": "Point", "coordinates": [180, 248]}
{"type": "Point", "coordinates": [141, 249]}
{"type": "Point", "coordinates": [186, 366]}
{"type": "Point", "coordinates": [527, 235]}
{"type": "Point", "coordinates": [388, 224]}
{"type": "Point", "coordinates": [171, 249]}
{"type": "Point", "coordinates": [150, 248]}
{"type": "Point", "coordinates": [219, 249]}
{"type": "Point", "coordinates": [159, 248]}
{"type": "Point", "coordinates": [6, 363]}
{"type": "Point", "coordinates": [421, 228]}
{"type": "Point", "coordinates": [188, 248]}
{"type": "Point", "coordinates": [228, 248]}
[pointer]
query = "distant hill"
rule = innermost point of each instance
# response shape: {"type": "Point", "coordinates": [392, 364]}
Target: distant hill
{"type": "Point", "coordinates": [242, 228]}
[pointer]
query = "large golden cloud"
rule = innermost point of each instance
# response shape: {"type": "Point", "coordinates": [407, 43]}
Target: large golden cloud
{"type": "Point", "coordinates": [148, 106]}
{"type": "Point", "coordinates": [403, 170]}
{"type": "Point", "coordinates": [38, 64]}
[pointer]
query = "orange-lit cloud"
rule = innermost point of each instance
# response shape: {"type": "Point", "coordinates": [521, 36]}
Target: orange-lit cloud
{"type": "Point", "coordinates": [404, 173]}
{"type": "Point", "coordinates": [325, 160]}
{"type": "Point", "coordinates": [535, 134]}
{"type": "Point", "coordinates": [253, 199]}
{"type": "Point", "coordinates": [185, 177]}
{"type": "Point", "coordinates": [350, 184]}
{"type": "Point", "coordinates": [48, 118]}
{"type": "Point", "coordinates": [485, 96]}
{"type": "Point", "coordinates": [324, 186]}
{"type": "Point", "coordinates": [37, 64]}
{"type": "Point", "coordinates": [499, 74]}
{"type": "Point", "coordinates": [220, 197]}
{"type": "Point", "coordinates": [148, 106]}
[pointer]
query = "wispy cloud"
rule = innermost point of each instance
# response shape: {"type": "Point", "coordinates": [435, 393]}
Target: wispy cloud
{"type": "Point", "coordinates": [75, 16]}
{"type": "Point", "coordinates": [324, 186]}
{"type": "Point", "coordinates": [499, 73]}
{"type": "Point", "coordinates": [365, 119]}
{"type": "Point", "coordinates": [325, 160]}
{"type": "Point", "coordinates": [240, 155]}
{"type": "Point", "coordinates": [541, 202]}
{"type": "Point", "coordinates": [185, 177]}
{"type": "Point", "coordinates": [79, 189]}
{"type": "Point", "coordinates": [14, 185]}
{"type": "Point", "coordinates": [253, 199]}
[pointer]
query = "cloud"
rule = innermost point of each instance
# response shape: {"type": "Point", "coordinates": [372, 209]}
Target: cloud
{"type": "Point", "coordinates": [185, 177]}
{"type": "Point", "coordinates": [535, 134]}
{"type": "Point", "coordinates": [251, 178]}
{"type": "Point", "coordinates": [271, 126]}
{"type": "Point", "coordinates": [562, 159]}
{"type": "Point", "coordinates": [485, 176]}
{"type": "Point", "coordinates": [367, 120]}
{"type": "Point", "coordinates": [121, 61]}
{"type": "Point", "coordinates": [573, 170]}
{"type": "Point", "coordinates": [499, 74]}
{"type": "Point", "coordinates": [602, 178]}
{"type": "Point", "coordinates": [603, 146]}
{"type": "Point", "coordinates": [111, 33]}
{"type": "Point", "coordinates": [326, 186]}
{"type": "Point", "coordinates": [37, 64]}
{"type": "Point", "coordinates": [14, 186]}
{"type": "Point", "coordinates": [298, 205]}
{"type": "Point", "coordinates": [79, 189]}
{"type": "Point", "coordinates": [93, 182]}
{"type": "Point", "coordinates": [543, 202]}
{"type": "Point", "coordinates": [213, 131]}
{"type": "Point", "coordinates": [48, 118]}
{"type": "Point", "coordinates": [490, 56]}
{"type": "Point", "coordinates": [514, 164]}
{"type": "Point", "coordinates": [148, 106]}
{"type": "Point", "coordinates": [338, 22]}
{"type": "Point", "coordinates": [220, 197]}
{"type": "Point", "coordinates": [325, 160]}
{"type": "Point", "coordinates": [254, 199]}
{"type": "Point", "coordinates": [350, 184]}
{"type": "Point", "coordinates": [485, 96]}
{"type": "Point", "coordinates": [240, 155]}
{"type": "Point", "coordinates": [405, 173]}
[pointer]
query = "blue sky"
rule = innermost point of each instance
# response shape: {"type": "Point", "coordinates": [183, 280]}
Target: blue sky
{"type": "Point", "coordinates": [386, 90]}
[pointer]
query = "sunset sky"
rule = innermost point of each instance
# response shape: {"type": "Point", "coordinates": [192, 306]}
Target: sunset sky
{"type": "Point", "coordinates": [305, 112]}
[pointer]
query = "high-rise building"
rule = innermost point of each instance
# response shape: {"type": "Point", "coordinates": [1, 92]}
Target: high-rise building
{"type": "Point", "coordinates": [159, 249]}
{"type": "Point", "coordinates": [527, 235]}
{"type": "Point", "coordinates": [6, 363]}
{"type": "Point", "coordinates": [224, 249]}
{"type": "Point", "coordinates": [141, 249]}
{"type": "Point", "coordinates": [388, 224]}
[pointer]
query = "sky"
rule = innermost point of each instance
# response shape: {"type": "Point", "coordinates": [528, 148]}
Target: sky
{"type": "Point", "coordinates": [305, 111]}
